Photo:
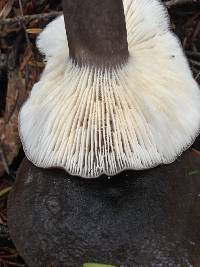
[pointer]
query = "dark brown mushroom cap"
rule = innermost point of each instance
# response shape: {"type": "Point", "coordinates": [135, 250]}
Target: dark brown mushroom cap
{"type": "Point", "coordinates": [146, 218]}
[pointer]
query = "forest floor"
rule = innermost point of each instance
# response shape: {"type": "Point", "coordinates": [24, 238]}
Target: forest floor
{"type": "Point", "coordinates": [20, 67]}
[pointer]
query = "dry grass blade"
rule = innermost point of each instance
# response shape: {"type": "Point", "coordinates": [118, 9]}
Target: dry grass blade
{"type": "Point", "coordinates": [5, 191]}
{"type": "Point", "coordinates": [33, 30]}
{"type": "Point", "coordinates": [6, 9]}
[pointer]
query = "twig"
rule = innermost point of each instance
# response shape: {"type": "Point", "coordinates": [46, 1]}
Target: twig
{"type": "Point", "coordinates": [197, 76]}
{"type": "Point", "coordinates": [27, 18]}
{"type": "Point", "coordinates": [27, 37]}
{"type": "Point", "coordinates": [23, 24]}
{"type": "Point", "coordinates": [192, 53]}
{"type": "Point", "coordinates": [178, 2]}
{"type": "Point", "coordinates": [194, 62]}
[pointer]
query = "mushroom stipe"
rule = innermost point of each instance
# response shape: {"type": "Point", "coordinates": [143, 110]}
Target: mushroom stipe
{"type": "Point", "coordinates": [93, 120]}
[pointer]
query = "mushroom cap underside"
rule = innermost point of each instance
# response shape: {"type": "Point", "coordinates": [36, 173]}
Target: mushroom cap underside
{"type": "Point", "coordinates": [91, 120]}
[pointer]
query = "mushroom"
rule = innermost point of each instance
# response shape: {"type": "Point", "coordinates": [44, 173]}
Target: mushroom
{"type": "Point", "coordinates": [116, 93]}
{"type": "Point", "coordinates": [147, 218]}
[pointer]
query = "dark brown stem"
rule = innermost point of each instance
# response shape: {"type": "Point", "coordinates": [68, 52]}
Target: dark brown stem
{"type": "Point", "coordinates": [96, 31]}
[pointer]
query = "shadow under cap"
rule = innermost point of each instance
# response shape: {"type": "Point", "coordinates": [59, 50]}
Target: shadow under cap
{"type": "Point", "coordinates": [148, 218]}
{"type": "Point", "coordinates": [96, 32]}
